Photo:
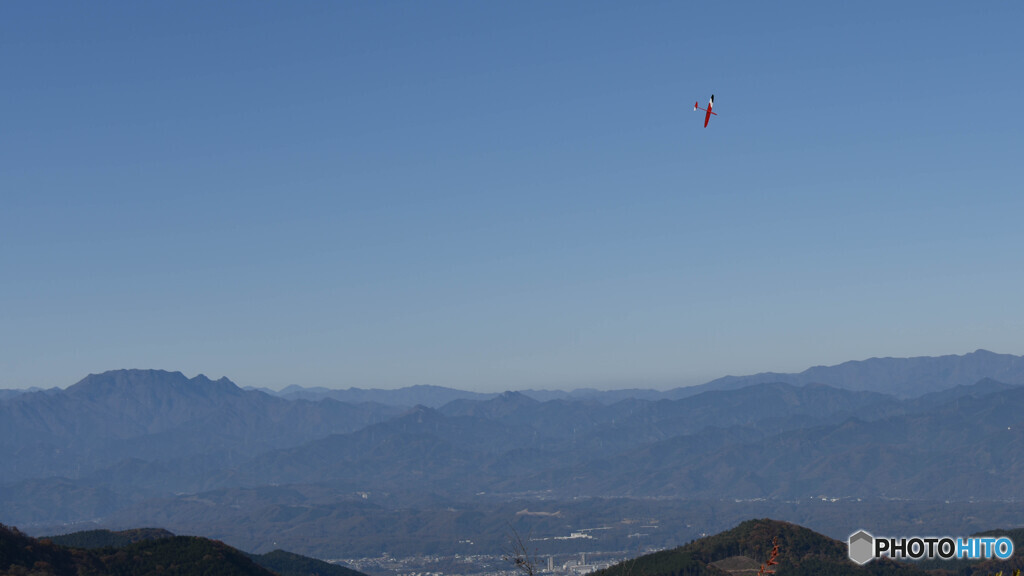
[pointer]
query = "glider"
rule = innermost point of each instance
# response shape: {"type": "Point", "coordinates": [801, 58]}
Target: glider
{"type": "Point", "coordinates": [696, 106]}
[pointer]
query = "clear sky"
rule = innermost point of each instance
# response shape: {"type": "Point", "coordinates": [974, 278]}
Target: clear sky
{"type": "Point", "coordinates": [505, 195]}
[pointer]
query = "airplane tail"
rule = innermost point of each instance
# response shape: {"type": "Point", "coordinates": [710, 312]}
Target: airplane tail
{"type": "Point", "coordinates": [696, 106]}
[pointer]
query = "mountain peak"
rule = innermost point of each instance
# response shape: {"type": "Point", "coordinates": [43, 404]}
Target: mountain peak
{"type": "Point", "coordinates": [420, 413]}
{"type": "Point", "coordinates": [513, 397]}
{"type": "Point", "coordinates": [135, 381]}
{"type": "Point", "coordinates": [113, 379]}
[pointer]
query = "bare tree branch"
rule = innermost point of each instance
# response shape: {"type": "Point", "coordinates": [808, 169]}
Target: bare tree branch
{"type": "Point", "coordinates": [518, 554]}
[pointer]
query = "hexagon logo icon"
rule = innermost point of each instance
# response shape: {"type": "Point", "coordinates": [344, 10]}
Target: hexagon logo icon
{"type": "Point", "coordinates": [861, 547]}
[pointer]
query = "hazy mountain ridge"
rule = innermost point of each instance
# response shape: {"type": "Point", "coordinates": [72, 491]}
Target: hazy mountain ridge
{"type": "Point", "coordinates": [478, 446]}
{"type": "Point", "coordinates": [960, 449]}
{"type": "Point", "coordinates": [421, 394]}
{"type": "Point", "coordinates": [902, 377]}
{"type": "Point", "coordinates": [437, 396]}
{"type": "Point", "coordinates": [423, 444]}
{"type": "Point", "coordinates": [7, 393]}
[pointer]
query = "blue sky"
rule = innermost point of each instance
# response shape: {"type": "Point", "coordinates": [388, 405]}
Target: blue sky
{"type": "Point", "coordinates": [496, 196]}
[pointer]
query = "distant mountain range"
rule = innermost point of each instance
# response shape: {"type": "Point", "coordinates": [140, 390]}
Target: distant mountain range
{"type": "Point", "coordinates": [900, 377]}
{"type": "Point", "coordinates": [971, 447]}
{"type": "Point", "coordinates": [148, 447]}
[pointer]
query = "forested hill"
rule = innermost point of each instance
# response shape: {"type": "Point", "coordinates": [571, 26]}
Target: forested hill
{"type": "Point", "coordinates": [802, 552]}
{"type": "Point", "coordinates": [91, 539]}
{"type": "Point", "coordinates": [143, 553]}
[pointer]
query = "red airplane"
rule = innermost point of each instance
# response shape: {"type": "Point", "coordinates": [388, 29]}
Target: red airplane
{"type": "Point", "coordinates": [696, 106]}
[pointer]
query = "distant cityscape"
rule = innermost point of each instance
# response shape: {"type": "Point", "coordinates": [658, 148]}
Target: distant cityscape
{"type": "Point", "coordinates": [576, 564]}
